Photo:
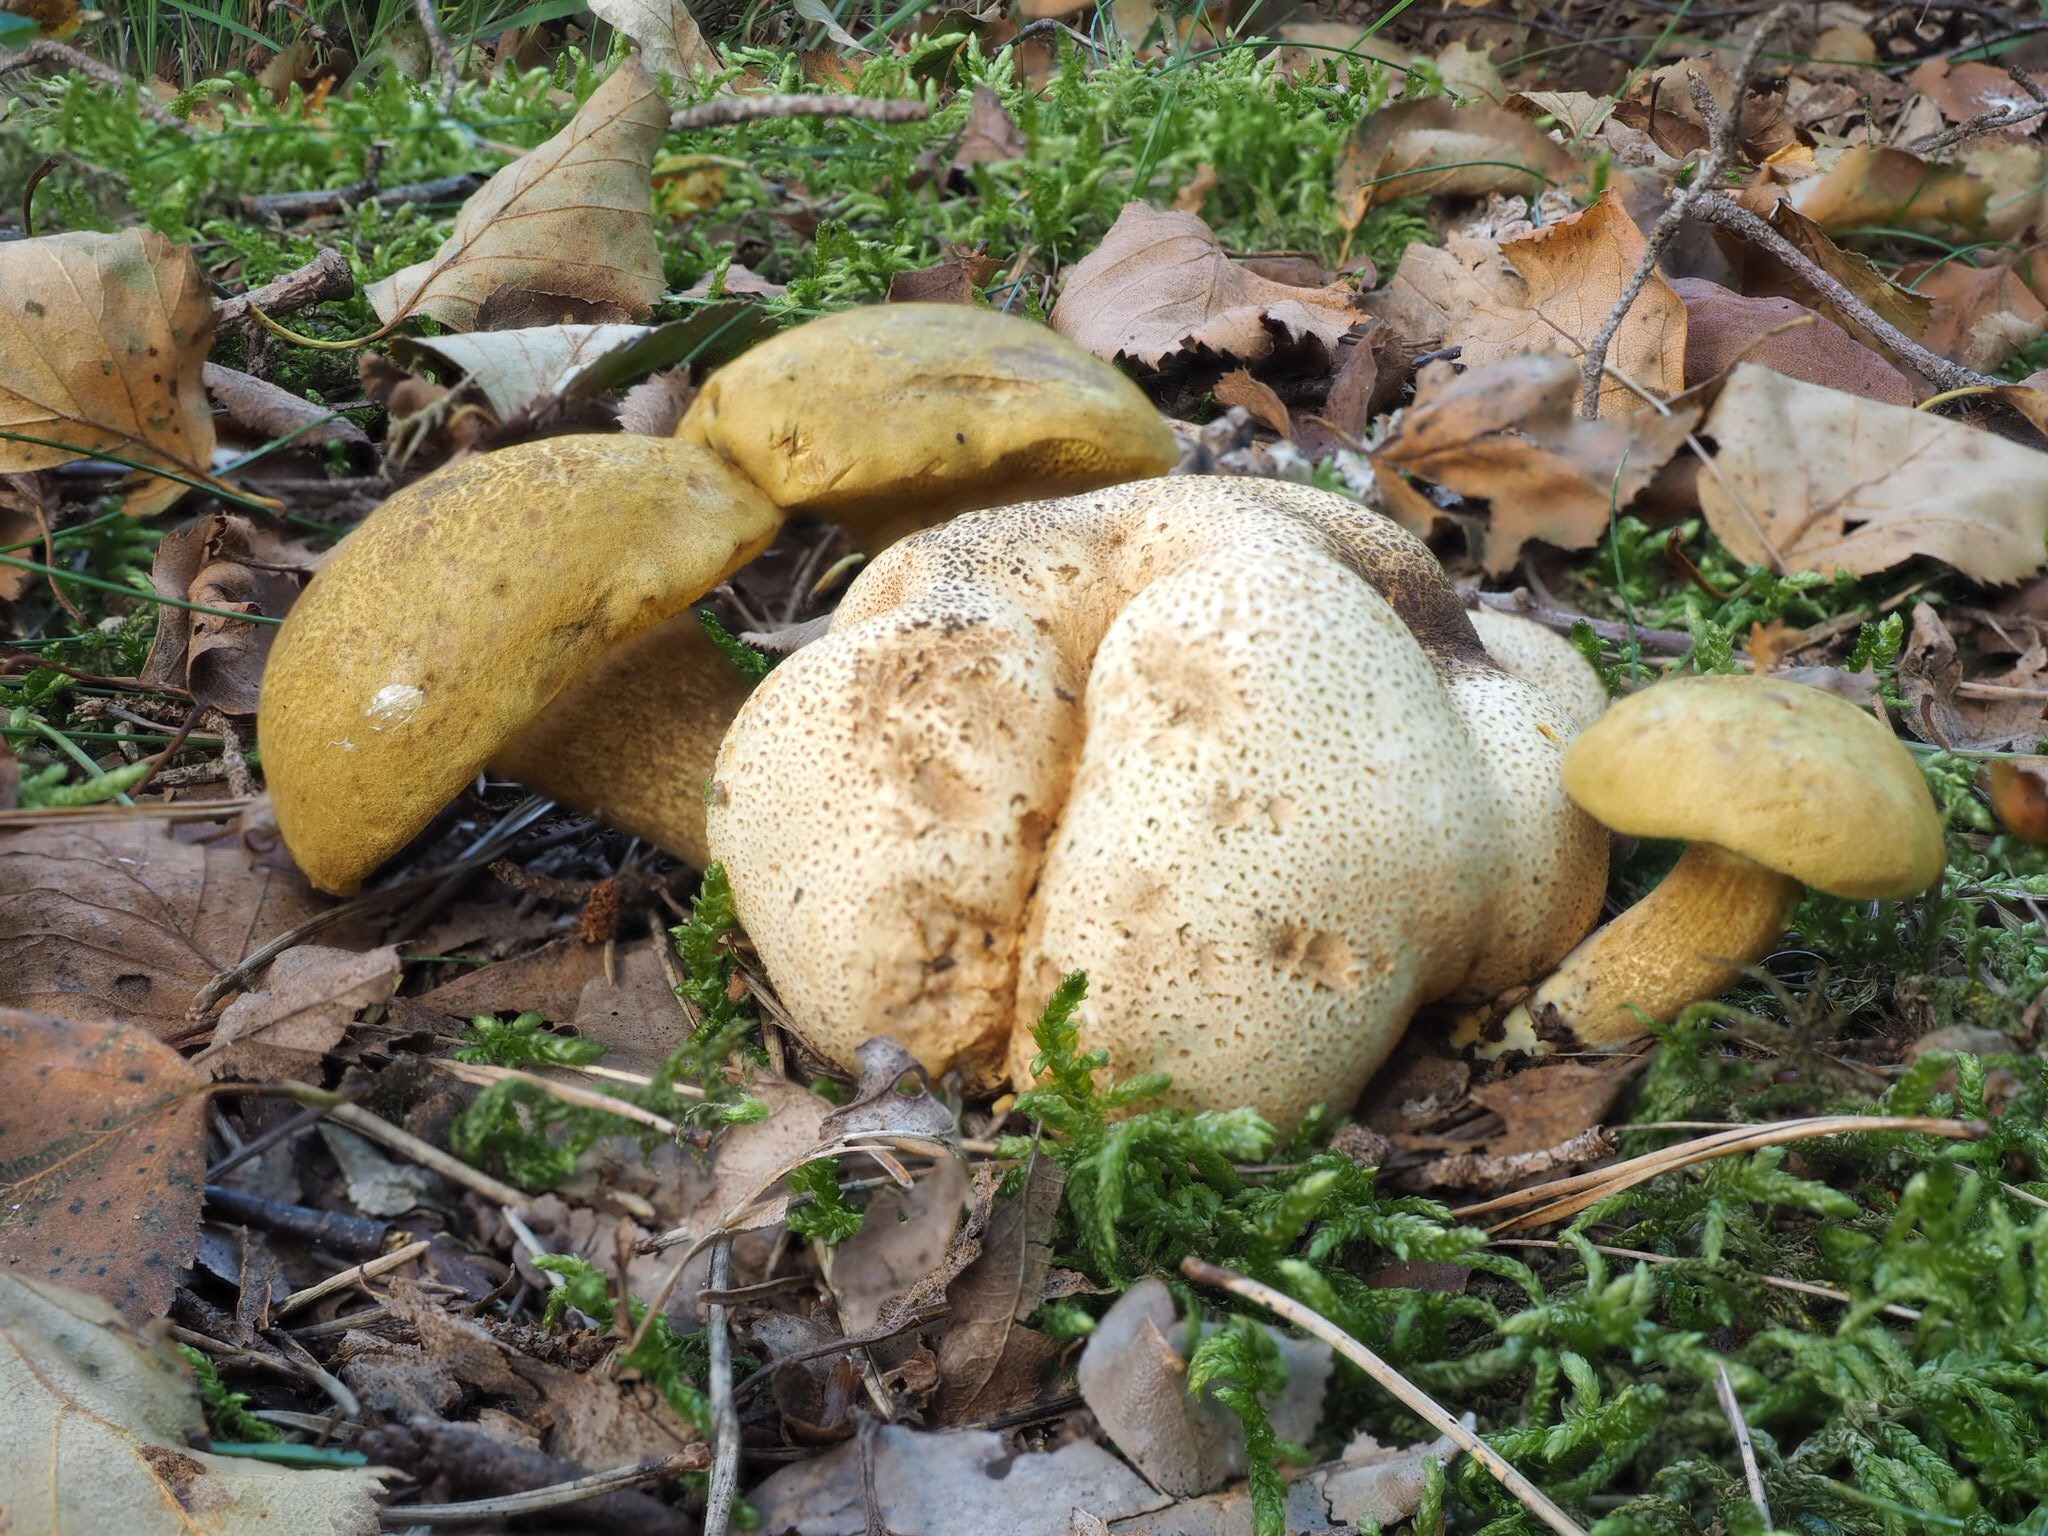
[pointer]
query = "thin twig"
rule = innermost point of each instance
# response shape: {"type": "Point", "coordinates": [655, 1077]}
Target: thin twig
{"type": "Point", "coordinates": [326, 276]}
{"type": "Point", "coordinates": [1777, 1282]}
{"type": "Point", "coordinates": [553, 1496]}
{"type": "Point", "coordinates": [725, 1418]}
{"type": "Point", "coordinates": [368, 1270]}
{"type": "Point", "coordinates": [1726, 133]}
{"type": "Point", "coordinates": [427, 1155]}
{"type": "Point", "coordinates": [1753, 1474]}
{"type": "Point", "coordinates": [2007, 116]}
{"type": "Point", "coordinates": [1730, 215]}
{"type": "Point", "coordinates": [437, 44]}
{"type": "Point", "coordinates": [751, 109]}
{"type": "Point", "coordinates": [1412, 1397]}
{"type": "Point", "coordinates": [1663, 642]}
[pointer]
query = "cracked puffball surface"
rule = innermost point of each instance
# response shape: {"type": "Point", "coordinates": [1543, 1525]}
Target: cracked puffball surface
{"type": "Point", "coordinates": [1229, 746]}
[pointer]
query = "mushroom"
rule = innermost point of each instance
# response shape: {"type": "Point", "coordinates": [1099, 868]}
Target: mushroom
{"type": "Point", "coordinates": [1545, 658]}
{"type": "Point", "coordinates": [528, 607]}
{"type": "Point", "coordinates": [1774, 786]}
{"type": "Point", "coordinates": [1230, 746]}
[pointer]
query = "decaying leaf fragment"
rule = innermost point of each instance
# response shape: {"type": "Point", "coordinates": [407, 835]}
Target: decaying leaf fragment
{"type": "Point", "coordinates": [570, 219]}
{"type": "Point", "coordinates": [1724, 328]}
{"type": "Point", "coordinates": [96, 1432]}
{"type": "Point", "coordinates": [225, 562]}
{"type": "Point", "coordinates": [1509, 434]}
{"type": "Point", "coordinates": [102, 338]}
{"type": "Point", "coordinates": [309, 997]}
{"type": "Point", "coordinates": [1160, 286]}
{"type": "Point", "coordinates": [1435, 145]}
{"type": "Point", "coordinates": [1876, 185]}
{"type": "Point", "coordinates": [102, 1161]}
{"type": "Point", "coordinates": [1549, 291]}
{"type": "Point", "coordinates": [1811, 479]}
{"type": "Point", "coordinates": [670, 41]}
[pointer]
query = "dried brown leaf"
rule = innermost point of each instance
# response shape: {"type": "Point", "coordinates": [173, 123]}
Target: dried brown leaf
{"type": "Point", "coordinates": [1759, 273]}
{"type": "Point", "coordinates": [269, 412]}
{"type": "Point", "coordinates": [101, 347]}
{"type": "Point", "coordinates": [1550, 291]}
{"type": "Point", "coordinates": [1414, 148]}
{"type": "Point", "coordinates": [1238, 387]}
{"type": "Point", "coordinates": [656, 404]}
{"type": "Point", "coordinates": [1982, 316]}
{"type": "Point", "coordinates": [224, 562]}
{"type": "Point", "coordinates": [121, 919]}
{"type": "Point", "coordinates": [303, 1006]}
{"type": "Point", "coordinates": [1160, 286]}
{"type": "Point", "coordinates": [572, 218]}
{"type": "Point", "coordinates": [1509, 434]}
{"type": "Point", "coordinates": [903, 1237]}
{"type": "Point", "coordinates": [992, 136]}
{"type": "Point", "coordinates": [989, 1363]}
{"type": "Point", "coordinates": [1930, 675]}
{"type": "Point", "coordinates": [102, 1159]}
{"type": "Point", "coordinates": [1724, 328]}
{"type": "Point", "coordinates": [669, 39]}
{"type": "Point", "coordinates": [1876, 185]}
{"type": "Point", "coordinates": [99, 1432]}
{"type": "Point", "coordinates": [958, 279]}
{"type": "Point", "coordinates": [1818, 480]}
{"type": "Point", "coordinates": [2018, 787]}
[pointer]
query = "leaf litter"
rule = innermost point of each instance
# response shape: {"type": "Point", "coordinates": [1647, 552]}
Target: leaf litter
{"type": "Point", "coordinates": [902, 1273]}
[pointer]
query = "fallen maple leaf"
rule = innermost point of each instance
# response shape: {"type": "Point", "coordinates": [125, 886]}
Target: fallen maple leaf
{"type": "Point", "coordinates": [1550, 291]}
{"type": "Point", "coordinates": [1811, 479]}
{"type": "Point", "coordinates": [1160, 286]}
{"type": "Point", "coordinates": [102, 1160]}
{"type": "Point", "coordinates": [308, 998]}
{"type": "Point", "coordinates": [99, 1430]}
{"type": "Point", "coordinates": [102, 339]}
{"type": "Point", "coordinates": [669, 39]}
{"type": "Point", "coordinates": [572, 218]}
{"type": "Point", "coordinates": [1508, 434]}
{"type": "Point", "coordinates": [1415, 148]}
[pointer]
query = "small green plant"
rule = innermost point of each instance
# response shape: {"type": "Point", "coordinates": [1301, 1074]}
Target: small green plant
{"type": "Point", "coordinates": [819, 1210]}
{"type": "Point", "coordinates": [746, 660]}
{"type": "Point", "coordinates": [671, 1363]}
{"type": "Point", "coordinates": [227, 1411]}
{"type": "Point", "coordinates": [1237, 1365]}
{"type": "Point", "coordinates": [525, 1041]}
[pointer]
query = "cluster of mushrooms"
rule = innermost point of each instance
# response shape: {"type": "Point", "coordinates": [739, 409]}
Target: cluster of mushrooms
{"type": "Point", "coordinates": [1233, 747]}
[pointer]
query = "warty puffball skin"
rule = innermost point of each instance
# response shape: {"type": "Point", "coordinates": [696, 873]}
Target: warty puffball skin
{"type": "Point", "coordinates": [1229, 746]}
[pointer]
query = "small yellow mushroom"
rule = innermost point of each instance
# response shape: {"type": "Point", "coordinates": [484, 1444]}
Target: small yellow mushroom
{"type": "Point", "coordinates": [528, 607]}
{"type": "Point", "coordinates": [1774, 786]}
{"type": "Point", "coordinates": [1230, 746]}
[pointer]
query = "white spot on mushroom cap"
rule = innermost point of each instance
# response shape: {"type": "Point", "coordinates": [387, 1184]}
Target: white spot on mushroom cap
{"type": "Point", "coordinates": [394, 704]}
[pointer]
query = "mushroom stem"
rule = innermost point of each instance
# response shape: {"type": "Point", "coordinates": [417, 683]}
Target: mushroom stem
{"type": "Point", "coordinates": [1715, 913]}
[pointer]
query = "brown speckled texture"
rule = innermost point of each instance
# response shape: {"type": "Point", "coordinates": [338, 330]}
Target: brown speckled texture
{"type": "Point", "coordinates": [892, 416]}
{"type": "Point", "coordinates": [1168, 734]}
{"type": "Point", "coordinates": [1545, 658]}
{"type": "Point", "coordinates": [462, 606]}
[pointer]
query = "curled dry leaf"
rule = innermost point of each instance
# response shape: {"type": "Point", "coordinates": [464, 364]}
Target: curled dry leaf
{"type": "Point", "coordinates": [2019, 795]}
{"type": "Point", "coordinates": [1550, 291]}
{"type": "Point", "coordinates": [1876, 185]}
{"type": "Point", "coordinates": [670, 41]}
{"type": "Point", "coordinates": [958, 279]}
{"type": "Point", "coordinates": [224, 562]}
{"type": "Point", "coordinates": [1509, 434]}
{"type": "Point", "coordinates": [1418, 147]}
{"type": "Point", "coordinates": [308, 998]}
{"type": "Point", "coordinates": [1930, 675]}
{"type": "Point", "coordinates": [123, 920]}
{"type": "Point", "coordinates": [992, 135]}
{"type": "Point", "coordinates": [99, 1429]}
{"type": "Point", "coordinates": [1982, 316]}
{"type": "Point", "coordinates": [1134, 1378]}
{"type": "Point", "coordinates": [572, 218]}
{"type": "Point", "coordinates": [989, 1362]}
{"type": "Point", "coordinates": [903, 1237]}
{"type": "Point", "coordinates": [101, 346]}
{"type": "Point", "coordinates": [1238, 387]}
{"type": "Point", "coordinates": [511, 369]}
{"type": "Point", "coordinates": [1160, 287]}
{"type": "Point", "coordinates": [1723, 328]}
{"type": "Point", "coordinates": [1811, 479]}
{"type": "Point", "coordinates": [102, 1160]}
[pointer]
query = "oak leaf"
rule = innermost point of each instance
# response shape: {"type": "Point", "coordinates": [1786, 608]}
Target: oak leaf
{"type": "Point", "coordinates": [1160, 286]}
{"type": "Point", "coordinates": [1509, 434]}
{"type": "Point", "coordinates": [1812, 479]}
{"type": "Point", "coordinates": [1549, 291]}
{"type": "Point", "coordinates": [102, 338]}
{"type": "Point", "coordinates": [572, 218]}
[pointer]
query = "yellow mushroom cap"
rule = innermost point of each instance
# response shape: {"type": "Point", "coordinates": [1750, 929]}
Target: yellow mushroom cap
{"type": "Point", "coordinates": [463, 606]}
{"type": "Point", "coordinates": [1787, 775]}
{"type": "Point", "coordinates": [903, 413]}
